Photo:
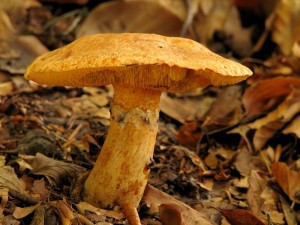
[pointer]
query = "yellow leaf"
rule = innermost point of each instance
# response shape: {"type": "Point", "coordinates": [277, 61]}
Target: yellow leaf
{"type": "Point", "coordinates": [284, 24]}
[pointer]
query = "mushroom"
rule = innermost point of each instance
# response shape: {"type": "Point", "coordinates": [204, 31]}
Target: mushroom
{"type": "Point", "coordinates": [140, 67]}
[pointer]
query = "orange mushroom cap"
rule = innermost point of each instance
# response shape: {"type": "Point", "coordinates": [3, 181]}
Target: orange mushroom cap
{"type": "Point", "coordinates": [137, 60]}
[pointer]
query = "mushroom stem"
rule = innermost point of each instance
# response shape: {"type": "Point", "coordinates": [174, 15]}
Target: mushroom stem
{"type": "Point", "coordinates": [120, 174]}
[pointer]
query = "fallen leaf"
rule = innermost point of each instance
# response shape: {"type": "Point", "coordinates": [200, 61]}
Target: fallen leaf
{"type": "Point", "coordinates": [189, 135]}
{"type": "Point", "coordinates": [184, 109]}
{"type": "Point", "coordinates": [222, 16]}
{"type": "Point", "coordinates": [288, 180]}
{"type": "Point", "coordinates": [265, 133]}
{"type": "Point", "coordinates": [266, 94]}
{"type": "Point", "coordinates": [263, 198]}
{"type": "Point", "coordinates": [55, 171]}
{"type": "Point", "coordinates": [240, 217]}
{"type": "Point", "coordinates": [219, 158]}
{"type": "Point", "coordinates": [40, 188]}
{"type": "Point", "coordinates": [9, 179]}
{"type": "Point", "coordinates": [154, 198]}
{"type": "Point", "coordinates": [84, 206]}
{"type": "Point", "coordinates": [64, 210]}
{"type": "Point", "coordinates": [139, 17]}
{"type": "Point", "coordinates": [22, 212]}
{"type": "Point", "coordinates": [225, 111]}
{"type": "Point", "coordinates": [289, 215]}
{"type": "Point", "coordinates": [293, 127]}
{"type": "Point", "coordinates": [256, 187]}
{"type": "Point", "coordinates": [284, 24]}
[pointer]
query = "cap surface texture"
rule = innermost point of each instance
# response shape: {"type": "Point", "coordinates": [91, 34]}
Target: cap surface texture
{"type": "Point", "coordinates": [137, 60]}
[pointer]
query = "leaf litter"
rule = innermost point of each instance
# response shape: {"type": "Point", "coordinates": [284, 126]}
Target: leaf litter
{"type": "Point", "coordinates": [234, 149]}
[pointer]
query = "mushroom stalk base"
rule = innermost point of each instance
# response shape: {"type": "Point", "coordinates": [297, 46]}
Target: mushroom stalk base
{"type": "Point", "coordinates": [120, 174]}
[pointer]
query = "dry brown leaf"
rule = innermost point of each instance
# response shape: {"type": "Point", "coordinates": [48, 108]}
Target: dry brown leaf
{"type": "Point", "coordinates": [189, 135]}
{"type": "Point", "coordinates": [289, 215]}
{"type": "Point", "coordinates": [240, 217]}
{"type": "Point", "coordinates": [222, 16]}
{"type": "Point", "coordinates": [40, 188]}
{"type": "Point", "coordinates": [266, 94]}
{"type": "Point", "coordinates": [262, 198]}
{"type": "Point", "coordinates": [22, 212]}
{"type": "Point", "coordinates": [284, 24]}
{"type": "Point", "coordinates": [293, 127]}
{"type": "Point", "coordinates": [288, 180]}
{"type": "Point", "coordinates": [265, 133]}
{"type": "Point", "coordinates": [65, 211]}
{"type": "Point", "coordinates": [84, 207]}
{"type": "Point", "coordinates": [185, 109]}
{"type": "Point", "coordinates": [284, 112]}
{"type": "Point", "coordinates": [79, 2]}
{"type": "Point", "coordinates": [55, 171]}
{"type": "Point", "coordinates": [23, 51]}
{"type": "Point", "coordinates": [225, 111]}
{"type": "Point", "coordinates": [9, 179]}
{"type": "Point", "coordinates": [154, 198]}
{"type": "Point", "coordinates": [134, 16]}
{"type": "Point", "coordinates": [243, 162]}
{"type": "Point", "coordinates": [256, 187]}
{"type": "Point", "coordinates": [219, 157]}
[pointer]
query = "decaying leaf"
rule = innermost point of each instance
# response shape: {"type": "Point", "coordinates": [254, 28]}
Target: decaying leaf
{"type": "Point", "coordinates": [40, 189]}
{"type": "Point", "coordinates": [219, 157]}
{"type": "Point", "coordinates": [284, 24]}
{"type": "Point", "coordinates": [84, 207]}
{"type": "Point", "coordinates": [293, 127]}
{"type": "Point", "coordinates": [25, 211]}
{"type": "Point", "coordinates": [65, 211]}
{"type": "Point", "coordinates": [262, 198]}
{"type": "Point", "coordinates": [240, 217]}
{"type": "Point", "coordinates": [289, 180]}
{"type": "Point", "coordinates": [265, 133]}
{"type": "Point", "coordinates": [185, 109]}
{"type": "Point", "coordinates": [134, 16]}
{"type": "Point", "coordinates": [189, 135]}
{"type": "Point", "coordinates": [266, 94]}
{"type": "Point", "coordinates": [9, 179]}
{"type": "Point", "coordinates": [225, 111]}
{"type": "Point", "coordinates": [55, 171]}
{"type": "Point", "coordinates": [154, 198]}
{"type": "Point", "coordinates": [222, 16]}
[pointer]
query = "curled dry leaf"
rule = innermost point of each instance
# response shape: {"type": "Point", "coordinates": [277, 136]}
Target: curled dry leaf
{"type": "Point", "coordinates": [270, 124]}
{"type": "Point", "coordinates": [134, 16]}
{"type": "Point", "coordinates": [266, 94]}
{"type": "Point", "coordinates": [293, 127]}
{"type": "Point", "coordinates": [265, 133]}
{"type": "Point", "coordinates": [84, 207]}
{"type": "Point", "coordinates": [288, 180]}
{"type": "Point", "coordinates": [22, 212]}
{"type": "Point", "coordinates": [54, 170]}
{"type": "Point", "coordinates": [222, 16]}
{"type": "Point", "coordinates": [9, 179]}
{"type": "Point", "coordinates": [240, 217]}
{"type": "Point", "coordinates": [154, 198]}
{"type": "Point", "coordinates": [225, 111]}
{"type": "Point", "coordinates": [284, 24]}
{"type": "Point", "coordinates": [189, 135]}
